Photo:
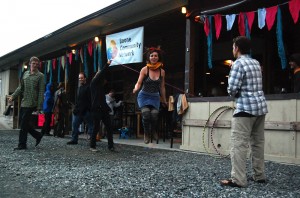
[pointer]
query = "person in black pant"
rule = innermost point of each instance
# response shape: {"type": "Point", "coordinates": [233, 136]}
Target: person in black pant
{"type": "Point", "coordinates": [82, 109]}
{"type": "Point", "coordinates": [100, 110]}
{"type": "Point", "coordinates": [32, 89]}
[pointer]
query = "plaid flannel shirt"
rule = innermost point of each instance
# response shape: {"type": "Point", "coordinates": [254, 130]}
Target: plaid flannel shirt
{"type": "Point", "coordinates": [32, 89]}
{"type": "Point", "coordinates": [245, 84]}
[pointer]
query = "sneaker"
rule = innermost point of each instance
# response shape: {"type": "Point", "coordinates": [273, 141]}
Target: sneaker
{"type": "Point", "coordinates": [261, 181]}
{"type": "Point", "coordinates": [38, 140]}
{"type": "Point", "coordinates": [20, 148]}
{"type": "Point", "coordinates": [72, 142]}
{"type": "Point", "coordinates": [112, 149]}
{"type": "Point", "coordinates": [93, 149]}
{"type": "Point", "coordinates": [146, 138]}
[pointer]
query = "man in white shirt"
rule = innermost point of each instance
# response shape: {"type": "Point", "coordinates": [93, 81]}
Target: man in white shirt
{"type": "Point", "coordinates": [111, 101]}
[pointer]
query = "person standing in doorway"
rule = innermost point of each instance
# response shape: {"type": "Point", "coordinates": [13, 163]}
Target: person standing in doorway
{"type": "Point", "coordinates": [247, 128]}
{"type": "Point", "coordinates": [47, 109]}
{"type": "Point", "coordinates": [32, 89]}
{"type": "Point", "coordinates": [82, 109]}
{"type": "Point", "coordinates": [295, 65]}
{"type": "Point", "coordinates": [100, 110]}
{"type": "Point", "coordinates": [152, 77]}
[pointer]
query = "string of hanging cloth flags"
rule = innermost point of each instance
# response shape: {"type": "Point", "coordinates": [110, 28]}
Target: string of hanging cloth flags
{"type": "Point", "coordinates": [245, 21]}
{"type": "Point", "coordinates": [92, 48]}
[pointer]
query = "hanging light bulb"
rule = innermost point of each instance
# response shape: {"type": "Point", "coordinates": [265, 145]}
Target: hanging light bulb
{"type": "Point", "coordinates": [73, 51]}
{"type": "Point", "coordinates": [97, 39]}
{"type": "Point", "coordinates": [183, 10]}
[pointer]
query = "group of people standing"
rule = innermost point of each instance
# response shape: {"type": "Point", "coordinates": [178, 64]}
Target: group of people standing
{"type": "Point", "coordinates": [91, 106]}
{"type": "Point", "coordinates": [245, 85]}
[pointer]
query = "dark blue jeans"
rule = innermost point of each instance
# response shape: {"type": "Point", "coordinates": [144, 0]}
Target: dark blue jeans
{"type": "Point", "coordinates": [26, 126]}
{"type": "Point", "coordinates": [77, 120]}
{"type": "Point", "coordinates": [97, 117]}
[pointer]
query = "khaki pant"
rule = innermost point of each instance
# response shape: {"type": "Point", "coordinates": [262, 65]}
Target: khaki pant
{"type": "Point", "coordinates": [247, 132]}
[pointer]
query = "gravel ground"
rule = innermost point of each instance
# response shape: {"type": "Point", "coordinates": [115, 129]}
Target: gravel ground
{"type": "Point", "coordinates": [55, 169]}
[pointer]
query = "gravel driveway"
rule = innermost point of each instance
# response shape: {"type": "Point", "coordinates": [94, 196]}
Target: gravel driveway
{"type": "Point", "coordinates": [55, 169]}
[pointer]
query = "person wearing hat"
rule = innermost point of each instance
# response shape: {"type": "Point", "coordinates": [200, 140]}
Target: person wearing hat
{"type": "Point", "coordinates": [295, 65]}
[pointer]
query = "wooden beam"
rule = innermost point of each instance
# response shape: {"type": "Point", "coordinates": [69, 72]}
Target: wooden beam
{"type": "Point", "coordinates": [189, 72]}
{"type": "Point", "coordinates": [269, 125]}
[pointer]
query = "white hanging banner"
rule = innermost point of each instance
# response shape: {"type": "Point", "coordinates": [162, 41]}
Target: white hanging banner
{"type": "Point", "coordinates": [125, 47]}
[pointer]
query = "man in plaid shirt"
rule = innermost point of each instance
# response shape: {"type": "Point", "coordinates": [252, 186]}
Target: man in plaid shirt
{"type": "Point", "coordinates": [32, 89]}
{"type": "Point", "coordinates": [245, 85]}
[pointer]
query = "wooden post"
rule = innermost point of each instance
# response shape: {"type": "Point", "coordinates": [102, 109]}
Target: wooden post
{"type": "Point", "coordinates": [189, 57]}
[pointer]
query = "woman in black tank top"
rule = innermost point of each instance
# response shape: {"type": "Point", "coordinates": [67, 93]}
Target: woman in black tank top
{"type": "Point", "coordinates": [152, 77]}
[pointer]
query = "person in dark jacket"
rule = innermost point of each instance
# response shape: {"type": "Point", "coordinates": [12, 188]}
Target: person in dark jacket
{"type": "Point", "coordinates": [100, 110]}
{"type": "Point", "coordinates": [295, 65]}
{"type": "Point", "coordinates": [82, 109]}
{"type": "Point", "coordinates": [61, 111]}
{"type": "Point", "coordinates": [47, 109]}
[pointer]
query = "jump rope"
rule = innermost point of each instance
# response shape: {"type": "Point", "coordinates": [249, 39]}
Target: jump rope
{"type": "Point", "coordinates": [223, 108]}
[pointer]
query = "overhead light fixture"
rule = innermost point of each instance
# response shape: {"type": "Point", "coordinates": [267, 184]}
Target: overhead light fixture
{"type": "Point", "coordinates": [25, 67]}
{"type": "Point", "coordinates": [207, 73]}
{"type": "Point", "coordinates": [183, 10]}
{"type": "Point", "coordinates": [97, 39]}
{"type": "Point", "coordinates": [73, 51]}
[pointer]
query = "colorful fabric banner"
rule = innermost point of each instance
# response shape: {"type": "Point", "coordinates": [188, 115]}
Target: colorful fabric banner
{"type": "Point", "coordinates": [70, 57]}
{"type": "Point", "coordinates": [294, 7]}
{"type": "Point", "coordinates": [58, 70]}
{"type": "Point", "coordinates": [218, 24]}
{"type": "Point", "coordinates": [209, 44]}
{"type": "Point", "coordinates": [95, 57]}
{"type": "Point", "coordinates": [85, 66]}
{"type": "Point", "coordinates": [270, 16]}
{"type": "Point", "coordinates": [241, 22]}
{"type": "Point", "coordinates": [230, 20]}
{"type": "Point", "coordinates": [125, 47]}
{"type": "Point", "coordinates": [281, 50]}
{"type": "Point", "coordinates": [206, 26]}
{"type": "Point", "coordinates": [67, 70]}
{"type": "Point", "coordinates": [100, 65]}
{"type": "Point", "coordinates": [261, 15]}
{"type": "Point", "coordinates": [90, 48]}
{"type": "Point", "coordinates": [250, 19]}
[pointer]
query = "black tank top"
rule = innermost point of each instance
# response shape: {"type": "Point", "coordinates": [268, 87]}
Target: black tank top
{"type": "Point", "coordinates": [151, 86]}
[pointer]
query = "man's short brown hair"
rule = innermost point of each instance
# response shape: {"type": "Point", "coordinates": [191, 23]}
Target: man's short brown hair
{"type": "Point", "coordinates": [34, 58]}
